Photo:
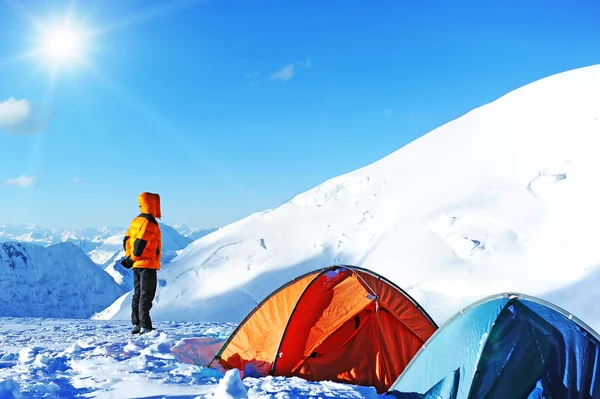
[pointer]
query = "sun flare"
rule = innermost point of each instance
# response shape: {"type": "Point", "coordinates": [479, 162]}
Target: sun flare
{"type": "Point", "coordinates": [62, 45]}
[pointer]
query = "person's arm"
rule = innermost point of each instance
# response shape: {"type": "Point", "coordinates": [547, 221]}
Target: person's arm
{"type": "Point", "coordinates": [127, 262]}
{"type": "Point", "coordinates": [126, 245]}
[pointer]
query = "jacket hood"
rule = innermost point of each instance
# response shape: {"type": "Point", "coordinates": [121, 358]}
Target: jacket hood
{"type": "Point", "coordinates": [150, 203]}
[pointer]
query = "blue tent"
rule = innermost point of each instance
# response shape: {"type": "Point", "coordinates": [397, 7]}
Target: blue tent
{"type": "Point", "coordinates": [508, 346]}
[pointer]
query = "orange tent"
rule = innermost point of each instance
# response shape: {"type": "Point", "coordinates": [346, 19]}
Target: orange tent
{"type": "Point", "coordinates": [341, 323]}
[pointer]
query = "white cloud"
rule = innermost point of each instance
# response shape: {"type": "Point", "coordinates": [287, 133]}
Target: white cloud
{"type": "Point", "coordinates": [13, 112]}
{"type": "Point", "coordinates": [285, 73]}
{"type": "Point", "coordinates": [388, 112]}
{"type": "Point", "coordinates": [75, 180]}
{"type": "Point", "coordinates": [21, 181]}
{"type": "Point", "coordinates": [19, 116]}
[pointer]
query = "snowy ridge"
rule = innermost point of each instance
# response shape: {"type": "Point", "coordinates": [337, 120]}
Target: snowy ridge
{"type": "Point", "coordinates": [501, 199]}
{"type": "Point", "coordinates": [55, 281]}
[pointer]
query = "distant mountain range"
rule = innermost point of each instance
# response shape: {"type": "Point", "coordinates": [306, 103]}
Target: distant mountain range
{"type": "Point", "coordinates": [101, 244]}
{"type": "Point", "coordinates": [54, 281]}
{"type": "Point", "coordinates": [71, 273]}
{"type": "Point", "coordinates": [87, 239]}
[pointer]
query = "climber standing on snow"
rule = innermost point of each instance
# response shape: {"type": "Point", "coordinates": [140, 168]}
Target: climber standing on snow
{"type": "Point", "coordinates": [143, 250]}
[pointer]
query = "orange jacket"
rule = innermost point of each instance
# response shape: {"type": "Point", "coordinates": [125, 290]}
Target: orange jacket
{"type": "Point", "coordinates": [143, 239]}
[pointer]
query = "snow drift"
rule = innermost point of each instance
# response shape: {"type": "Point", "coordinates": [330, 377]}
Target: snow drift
{"type": "Point", "coordinates": [504, 198]}
{"type": "Point", "coordinates": [55, 281]}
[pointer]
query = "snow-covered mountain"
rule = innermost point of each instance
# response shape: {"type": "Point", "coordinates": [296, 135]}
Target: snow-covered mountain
{"type": "Point", "coordinates": [108, 250]}
{"type": "Point", "coordinates": [193, 233]}
{"type": "Point", "coordinates": [172, 242]}
{"type": "Point", "coordinates": [86, 239]}
{"type": "Point", "coordinates": [54, 281]}
{"type": "Point", "coordinates": [505, 198]}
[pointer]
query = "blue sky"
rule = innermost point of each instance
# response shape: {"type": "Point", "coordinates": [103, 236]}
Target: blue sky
{"type": "Point", "coordinates": [227, 107]}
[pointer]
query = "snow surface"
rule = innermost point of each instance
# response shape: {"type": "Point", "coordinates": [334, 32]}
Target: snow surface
{"type": "Point", "coordinates": [54, 281]}
{"type": "Point", "coordinates": [43, 358]}
{"type": "Point", "coordinates": [504, 198]}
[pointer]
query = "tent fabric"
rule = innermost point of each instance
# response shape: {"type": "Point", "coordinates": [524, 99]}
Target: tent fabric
{"type": "Point", "coordinates": [341, 323]}
{"type": "Point", "coordinates": [445, 389]}
{"type": "Point", "coordinates": [509, 346]}
{"type": "Point", "coordinates": [325, 307]}
{"type": "Point", "coordinates": [404, 310]}
{"type": "Point", "coordinates": [258, 337]}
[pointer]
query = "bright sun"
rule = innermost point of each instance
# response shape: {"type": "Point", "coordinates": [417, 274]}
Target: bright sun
{"type": "Point", "coordinates": [62, 45]}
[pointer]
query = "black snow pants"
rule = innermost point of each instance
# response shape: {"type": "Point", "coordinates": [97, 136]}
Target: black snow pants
{"type": "Point", "coordinates": [144, 289]}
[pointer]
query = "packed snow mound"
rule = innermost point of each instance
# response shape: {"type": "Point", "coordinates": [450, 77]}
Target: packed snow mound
{"type": "Point", "coordinates": [55, 281]}
{"type": "Point", "coordinates": [504, 198]}
{"type": "Point", "coordinates": [231, 386]}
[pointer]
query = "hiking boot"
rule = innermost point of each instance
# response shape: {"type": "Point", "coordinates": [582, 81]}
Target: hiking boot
{"type": "Point", "coordinates": [145, 330]}
{"type": "Point", "coordinates": [135, 330]}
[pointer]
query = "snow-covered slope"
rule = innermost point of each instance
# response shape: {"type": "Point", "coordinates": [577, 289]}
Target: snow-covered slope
{"type": "Point", "coordinates": [505, 198]}
{"type": "Point", "coordinates": [55, 281]}
{"type": "Point", "coordinates": [86, 239]}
